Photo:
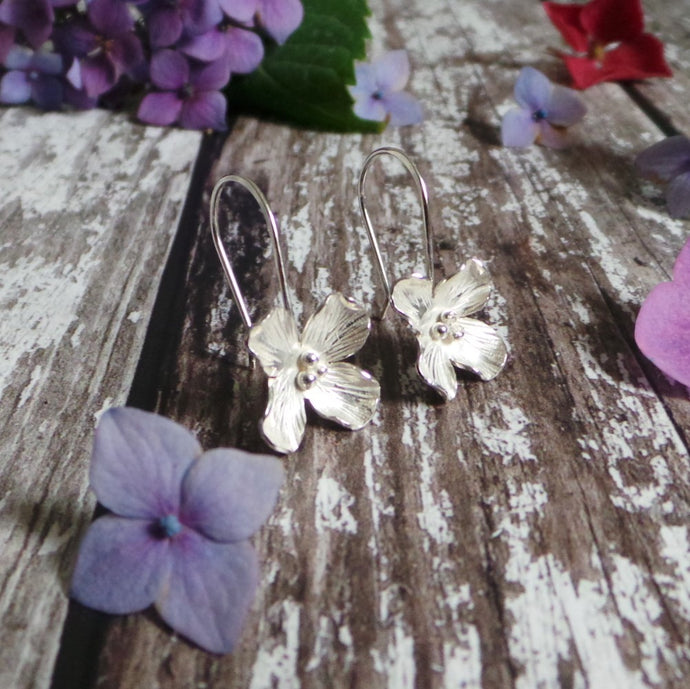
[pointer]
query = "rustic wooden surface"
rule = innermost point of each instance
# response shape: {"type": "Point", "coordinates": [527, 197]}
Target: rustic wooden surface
{"type": "Point", "coordinates": [533, 533]}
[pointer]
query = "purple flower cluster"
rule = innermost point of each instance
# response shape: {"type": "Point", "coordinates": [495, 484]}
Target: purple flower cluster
{"type": "Point", "coordinates": [181, 52]}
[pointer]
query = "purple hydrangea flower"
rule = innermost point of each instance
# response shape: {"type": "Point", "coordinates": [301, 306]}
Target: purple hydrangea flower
{"type": "Point", "coordinates": [545, 111]}
{"type": "Point", "coordinates": [662, 329]}
{"type": "Point", "coordinates": [33, 77]}
{"type": "Point", "coordinates": [379, 94]}
{"type": "Point", "coordinates": [189, 95]}
{"type": "Point", "coordinates": [178, 535]}
{"type": "Point", "coordinates": [168, 20]}
{"type": "Point", "coordinates": [242, 50]}
{"type": "Point", "coordinates": [669, 161]}
{"type": "Point", "coordinates": [104, 42]}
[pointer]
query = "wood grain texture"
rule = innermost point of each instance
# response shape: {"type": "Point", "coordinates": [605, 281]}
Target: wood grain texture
{"type": "Point", "coordinates": [531, 533]}
{"type": "Point", "coordinates": [89, 206]}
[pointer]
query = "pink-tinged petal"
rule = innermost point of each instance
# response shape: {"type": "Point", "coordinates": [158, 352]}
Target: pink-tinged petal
{"type": "Point", "coordinates": [435, 368]}
{"type": "Point", "coordinates": [205, 111]}
{"type": "Point", "coordinates": [206, 47]}
{"type": "Point", "coordinates": [368, 108]}
{"type": "Point", "coordinates": [242, 11]}
{"type": "Point", "coordinates": [98, 75]}
{"type": "Point", "coordinates": [228, 494]}
{"type": "Point", "coordinates": [413, 297]}
{"type": "Point", "coordinates": [15, 88]}
{"type": "Point", "coordinates": [280, 17]}
{"type": "Point", "coordinates": [208, 590]}
{"type": "Point", "coordinates": [466, 291]}
{"type": "Point", "coordinates": [285, 418]}
{"type": "Point", "coordinates": [665, 159]}
{"type": "Point", "coordinates": [346, 395]}
{"type": "Point", "coordinates": [165, 27]}
{"type": "Point", "coordinates": [161, 109]}
{"type": "Point", "coordinates": [274, 341]}
{"type": "Point", "coordinates": [567, 19]}
{"type": "Point", "coordinates": [678, 196]}
{"type": "Point", "coordinates": [681, 270]}
{"type": "Point", "coordinates": [403, 109]}
{"type": "Point", "coordinates": [138, 462]}
{"type": "Point", "coordinates": [518, 129]}
{"type": "Point", "coordinates": [110, 17]}
{"type": "Point", "coordinates": [244, 50]}
{"type": "Point", "coordinates": [532, 89]}
{"type": "Point", "coordinates": [552, 137]}
{"type": "Point", "coordinates": [211, 77]}
{"type": "Point", "coordinates": [391, 71]}
{"type": "Point", "coordinates": [662, 329]}
{"type": "Point", "coordinates": [610, 21]}
{"type": "Point", "coordinates": [565, 107]}
{"type": "Point", "coordinates": [120, 566]}
{"type": "Point", "coordinates": [480, 349]}
{"type": "Point", "coordinates": [338, 329]}
{"type": "Point", "coordinates": [169, 70]}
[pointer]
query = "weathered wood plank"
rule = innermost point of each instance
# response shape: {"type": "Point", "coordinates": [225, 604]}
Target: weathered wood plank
{"type": "Point", "coordinates": [89, 207]}
{"type": "Point", "coordinates": [532, 533]}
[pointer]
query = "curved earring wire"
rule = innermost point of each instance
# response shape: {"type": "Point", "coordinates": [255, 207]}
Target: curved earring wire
{"type": "Point", "coordinates": [259, 197]}
{"type": "Point", "coordinates": [421, 187]}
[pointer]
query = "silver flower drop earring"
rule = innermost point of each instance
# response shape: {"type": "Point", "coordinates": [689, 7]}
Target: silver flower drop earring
{"type": "Point", "coordinates": [439, 313]}
{"type": "Point", "coordinates": [307, 368]}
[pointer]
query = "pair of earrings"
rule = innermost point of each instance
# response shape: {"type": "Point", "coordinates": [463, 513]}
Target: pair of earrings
{"type": "Point", "coordinates": [311, 367]}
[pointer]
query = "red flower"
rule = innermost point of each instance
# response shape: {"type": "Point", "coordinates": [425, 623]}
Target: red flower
{"type": "Point", "coordinates": [609, 37]}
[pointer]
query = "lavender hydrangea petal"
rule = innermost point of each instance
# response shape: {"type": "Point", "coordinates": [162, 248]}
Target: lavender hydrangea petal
{"type": "Point", "coordinates": [73, 75]}
{"type": "Point", "coordinates": [34, 18]}
{"type": "Point", "coordinates": [138, 462]}
{"type": "Point", "coordinates": [665, 159]}
{"type": "Point", "coordinates": [532, 89]}
{"type": "Point", "coordinates": [465, 292]}
{"type": "Point", "coordinates": [160, 109]}
{"type": "Point", "coordinates": [285, 418]}
{"type": "Point", "coordinates": [169, 70]}
{"type": "Point", "coordinates": [413, 297]}
{"type": "Point", "coordinates": [127, 53]}
{"type": "Point", "coordinates": [346, 395]}
{"type": "Point", "coordinates": [240, 10]}
{"type": "Point", "coordinates": [273, 340]}
{"type": "Point", "coordinates": [403, 109]}
{"type": "Point", "coordinates": [368, 108]}
{"type": "Point", "coordinates": [280, 17]}
{"type": "Point", "coordinates": [19, 57]}
{"type": "Point", "coordinates": [120, 566]}
{"type": "Point", "coordinates": [552, 137]}
{"type": "Point", "coordinates": [211, 77]}
{"type": "Point", "coordinates": [480, 350]}
{"type": "Point", "coordinates": [47, 63]}
{"type": "Point", "coordinates": [206, 110]}
{"type": "Point", "coordinates": [681, 269]}
{"type": "Point", "coordinates": [228, 494]}
{"type": "Point", "coordinates": [199, 16]}
{"type": "Point", "coordinates": [392, 70]}
{"type": "Point", "coordinates": [208, 590]}
{"type": "Point", "coordinates": [435, 368]}
{"type": "Point", "coordinates": [165, 27]}
{"type": "Point", "coordinates": [518, 129]}
{"type": "Point", "coordinates": [244, 50]}
{"type": "Point", "coordinates": [678, 196]}
{"type": "Point", "coordinates": [98, 75]}
{"type": "Point", "coordinates": [48, 92]}
{"type": "Point", "coordinates": [338, 329]}
{"type": "Point", "coordinates": [15, 88]}
{"type": "Point", "coordinates": [111, 18]}
{"type": "Point", "coordinates": [565, 107]}
{"type": "Point", "coordinates": [207, 47]}
{"type": "Point", "coordinates": [365, 78]}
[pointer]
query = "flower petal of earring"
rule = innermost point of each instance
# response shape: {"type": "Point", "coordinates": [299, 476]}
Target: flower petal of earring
{"type": "Point", "coordinates": [439, 314]}
{"type": "Point", "coordinates": [308, 367]}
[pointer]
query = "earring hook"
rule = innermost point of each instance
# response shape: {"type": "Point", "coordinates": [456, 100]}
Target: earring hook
{"type": "Point", "coordinates": [259, 197]}
{"type": "Point", "coordinates": [420, 185]}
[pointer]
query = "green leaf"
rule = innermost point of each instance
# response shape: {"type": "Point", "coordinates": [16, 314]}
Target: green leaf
{"type": "Point", "coordinates": [304, 81]}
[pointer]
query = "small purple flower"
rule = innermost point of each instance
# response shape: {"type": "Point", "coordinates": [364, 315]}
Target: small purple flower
{"type": "Point", "coordinates": [241, 49]}
{"type": "Point", "coordinates": [105, 44]}
{"type": "Point", "coordinates": [545, 111]}
{"type": "Point", "coordinates": [379, 94]}
{"type": "Point", "coordinates": [178, 535]}
{"type": "Point", "coordinates": [662, 329]}
{"type": "Point", "coordinates": [169, 19]}
{"type": "Point", "coordinates": [669, 161]}
{"type": "Point", "coordinates": [190, 95]}
{"type": "Point", "coordinates": [32, 76]}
